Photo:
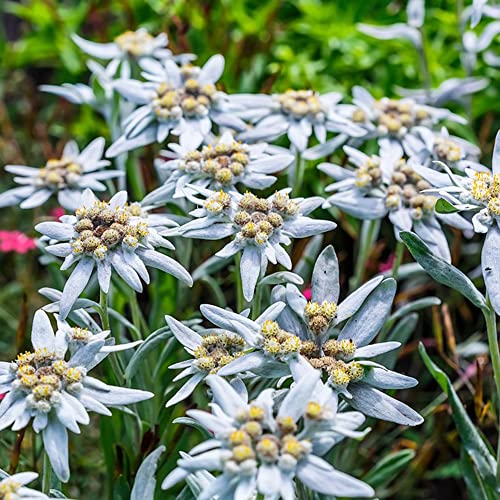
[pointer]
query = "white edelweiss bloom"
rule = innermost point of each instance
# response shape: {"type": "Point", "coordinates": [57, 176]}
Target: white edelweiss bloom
{"type": "Point", "coordinates": [14, 487]}
{"type": "Point", "coordinates": [259, 226]}
{"type": "Point", "coordinates": [294, 336]}
{"type": "Point", "coordinates": [262, 451]}
{"type": "Point", "coordinates": [389, 185]}
{"type": "Point", "coordinates": [342, 353]}
{"type": "Point", "coordinates": [296, 113]}
{"type": "Point", "coordinates": [52, 387]}
{"type": "Point", "coordinates": [111, 236]}
{"type": "Point", "coordinates": [477, 190]}
{"type": "Point", "coordinates": [137, 46]}
{"type": "Point", "coordinates": [426, 146]}
{"type": "Point", "coordinates": [391, 118]}
{"type": "Point", "coordinates": [178, 100]}
{"type": "Point", "coordinates": [211, 350]}
{"type": "Point", "coordinates": [66, 177]}
{"type": "Point", "coordinates": [218, 165]}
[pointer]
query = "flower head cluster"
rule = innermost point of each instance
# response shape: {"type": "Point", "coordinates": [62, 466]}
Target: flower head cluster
{"type": "Point", "coordinates": [297, 113]}
{"type": "Point", "coordinates": [109, 235]}
{"type": "Point", "coordinates": [67, 177]}
{"type": "Point", "coordinates": [396, 119]}
{"type": "Point", "coordinates": [137, 45]}
{"type": "Point", "coordinates": [220, 165]}
{"type": "Point", "coordinates": [211, 350]}
{"type": "Point", "coordinates": [476, 190]}
{"type": "Point", "coordinates": [259, 227]}
{"type": "Point", "coordinates": [182, 100]}
{"type": "Point", "coordinates": [55, 390]}
{"type": "Point", "coordinates": [262, 450]}
{"type": "Point", "coordinates": [426, 147]}
{"type": "Point", "coordinates": [389, 185]}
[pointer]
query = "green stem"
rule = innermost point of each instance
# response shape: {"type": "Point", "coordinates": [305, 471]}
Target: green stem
{"type": "Point", "coordinates": [46, 474]}
{"type": "Point", "coordinates": [300, 165]}
{"type": "Point", "coordinates": [257, 302]}
{"type": "Point", "coordinates": [240, 301]}
{"type": "Point", "coordinates": [491, 329]}
{"type": "Point", "coordinates": [137, 317]}
{"type": "Point", "coordinates": [369, 233]}
{"type": "Point", "coordinates": [104, 313]}
{"type": "Point", "coordinates": [424, 64]}
{"type": "Point", "coordinates": [398, 258]}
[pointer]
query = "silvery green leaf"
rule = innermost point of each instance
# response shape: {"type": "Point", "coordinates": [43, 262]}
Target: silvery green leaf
{"type": "Point", "coordinates": [192, 423]}
{"type": "Point", "coordinates": [371, 316]}
{"type": "Point", "coordinates": [389, 467]}
{"type": "Point", "coordinates": [376, 404]}
{"type": "Point", "coordinates": [352, 303]}
{"type": "Point", "coordinates": [145, 481]}
{"type": "Point", "coordinates": [281, 277]}
{"type": "Point", "coordinates": [392, 32]}
{"type": "Point", "coordinates": [159, 337]}
{"type": "Point", "coordinates": [325, 278]}
{"type": "Point", "coordinates": [445, 207]}
{"type": "Point", "coordinates": [476, 448]}
{"type": "Point", "coordinates": [490, 265]}
{"type": "Point", "coordinates": [441, 271]}
{"type": "Point", "coordinates": [416, 305]}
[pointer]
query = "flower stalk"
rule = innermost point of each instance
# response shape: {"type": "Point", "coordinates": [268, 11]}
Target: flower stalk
{"type": "Point", "coordinates": [369, 233]}
{"type": "Point", "coordinates": [491, 329]}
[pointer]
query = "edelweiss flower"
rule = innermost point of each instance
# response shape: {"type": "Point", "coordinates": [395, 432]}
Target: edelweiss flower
{"type": "Point", "coordinates": [220, 165]}
{"type": "Point", "coordinates": [137, 45]}
{"type": "Point", "coordinates": [260, 227]}
{"type": "Point", "coordinates": [109, 235]}
{"type": "Point", "coordinates": [477, 191]}
{"type": "Point", "coordinates": [294, 336]}
{"type": "Point", "coordinates": [13, 487]}
{"type": "Point", "coordinates": [297, 113]}
{"type": "Point", "coordinates": [389, 185]}
{"type": "Point", "coordinates": [65, 177]}
{"type": "Point", "coordinates": [260, 451]}
{"type": "Point", "coordinates": [211, 350]}
{"type": "Point", "coordinates": [181, 100]}
{"type": "Point", "coordinates": [54, 389]}
{"type": "Point", "coordinates": [271, 349]}
{"type": "Point", "coordinates": [392, 118]}
{"type": "Point", "coordinates": [426, 147]}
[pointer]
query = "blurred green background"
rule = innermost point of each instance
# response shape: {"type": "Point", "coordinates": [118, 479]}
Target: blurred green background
{"type": "Point", "coordinates": [269, 45]}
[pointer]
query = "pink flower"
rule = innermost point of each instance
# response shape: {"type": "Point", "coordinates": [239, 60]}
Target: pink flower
{"type": "Point", "coordinates": [57, 212]}
{"type": "Point", "coordinates": [387, 265]}
{"type": "Point", "coordinates": [2, 396]}
{"type": "Point", "coordinates": [15, 241]}
{"type": "Point", "coordinates": [307, 293]}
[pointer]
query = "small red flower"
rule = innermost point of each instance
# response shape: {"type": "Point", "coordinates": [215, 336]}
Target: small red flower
{"type": "Point", "coordinates": [15, 241]}
{"type": "Point", "coordinates": [307, 293]}
{"type": "Point", "coordinates": [387, 265]}
{"type": "Point", "coordinates": [57, 212]}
